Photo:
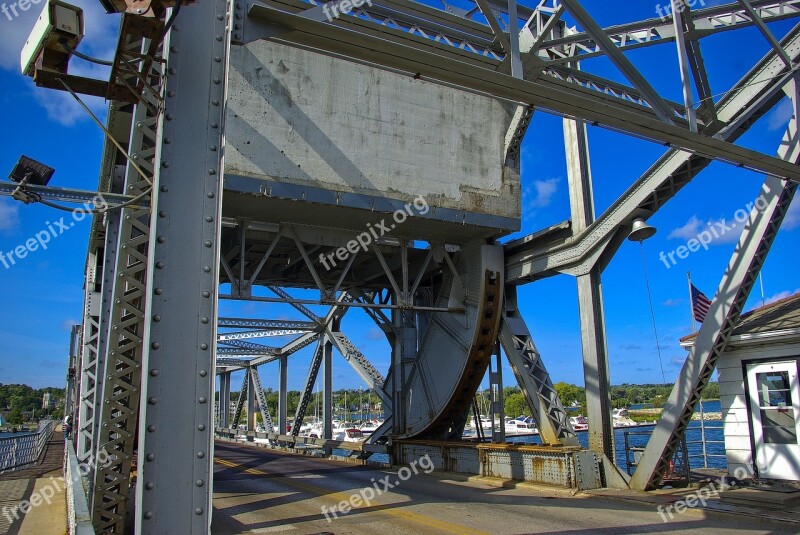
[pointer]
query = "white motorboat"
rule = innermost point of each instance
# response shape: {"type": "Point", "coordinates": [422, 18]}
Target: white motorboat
{"type": "Point", "coordinates": [521, 426]}
{"type": "Point", "coordinates": [351, 434]}
{"type": "Point", "coordinates": [579, 423]}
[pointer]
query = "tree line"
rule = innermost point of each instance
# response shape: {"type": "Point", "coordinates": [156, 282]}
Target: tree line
{"type": "Point", "coordinates": [18, 399]}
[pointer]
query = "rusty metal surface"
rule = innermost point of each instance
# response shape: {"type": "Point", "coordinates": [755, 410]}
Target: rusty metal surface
{"type": "Point", "coordinates": [568, 466]}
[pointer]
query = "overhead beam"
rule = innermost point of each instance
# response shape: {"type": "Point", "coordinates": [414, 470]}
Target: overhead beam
{"type": "Point", "coordinates": [545, 94]}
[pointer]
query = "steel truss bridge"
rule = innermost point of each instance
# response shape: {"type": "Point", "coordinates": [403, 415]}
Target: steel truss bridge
{"type": "Point", "coordinates": [441, 287]}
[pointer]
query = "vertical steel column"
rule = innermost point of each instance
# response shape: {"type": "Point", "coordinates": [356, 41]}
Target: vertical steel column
{"type": "Point", "coordinates": [327, 389]}
{"type": "Point", "coordinates": [251, 403]}
{"type": "Point", "coordinates": [283, 382]}
{"type": "Point", "coordinates": [595, 363]}
{"type": "Point", "coordinates": [225, 400]}
{"type": "Point", "coordinates": [72, 363]}
{"type": "Point", "coordinates": [86, 424]}
{"type": "Point", "coordinates": [175, 479]}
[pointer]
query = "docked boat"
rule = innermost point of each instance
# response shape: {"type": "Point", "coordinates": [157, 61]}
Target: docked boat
{"type": "Point", "coordinates": [579, 423]}
{"type": "Point", "coordinates": [351, 434]}
{"type": "Point", "coordinates": [521, 426]}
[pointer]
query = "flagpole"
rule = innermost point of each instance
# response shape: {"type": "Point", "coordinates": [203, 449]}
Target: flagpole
{"type": "Point", "coordinates": [691, 301]}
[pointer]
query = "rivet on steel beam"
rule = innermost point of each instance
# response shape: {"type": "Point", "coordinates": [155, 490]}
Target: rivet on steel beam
{"type": "Point", "coordinates": [203, 373]}
{"type": "Point", "coordinates": [219, 38]}
{"type": "Point", "coordinates": [170, 93]}
{"type": "Point", "coordinates": [158, 291]}
{"type": "Point", "coordinates": [151, 457]}
{"type": "Point", "coordinates": [208, 243]}
{"type": "Point", "coordinates": [238, 36]}
{"type": "Point", "coordinates": [206, 294]}
{"type": "Point", "coordinates": [201, 400]}
{"type": "Point", "coordinates": [152, 401]}
{"type": "Point", "coordinates": [237, 26]}
{"type": "Point", "coordinates": [199, 483]}
{"type": "Point", "coordinates": [198, 511]}
{"type": "Point", "coordinates": [162, 214]}
{"type": "Point", "coordinates": [215, 102]}
{"type": "Point", "coordinates": [173, 48]}
{"type": "Point", "coordinates": [220, 17]}
{"type": "Point", "coordinates": [209, 219]}
{"type": "Point", "coordinates": [161, 239]}
{"type": "Point", "coordinates": [213, 148]}
{"type": "Point", "coordinates": [173, 70]}
{"type": "Point", "coordinates": [217, 59]}
{"type": "Point", "coordinates": [212, 171]}
{"type": "Point", "coordinates": [153, 373]}
{"type": "Point", "coordinates": [160, 265]}
{"type": "Point", "coordinates": [164, 189]}
{"type": "Point", "coordinates": [151, 428]}
{"type": "Point", "coordinates": [203, 320]}
{"type": "Point", "coordinates": [164, 164]}
{"type": "Point", "coordinates": [155, 345]}
{"type": "Point", "coordinates": [200, 454]}
{"type": "Point", "coordinates": [204, 346]}
{"type": "Point", "coordinates": [148, 515]}
{"type": "Point", "coordinates": [169, 117]}
{"type": "Point", "coordinates": [149, 485]}
{"type": "Point", "coordinates": [167, 140]}
{"type": "Point", "coordinates": [201, 427]}
{"type": "Point", "coordinates": [210, 194]}
{"type": "Point", "coordinates": [207, 269]}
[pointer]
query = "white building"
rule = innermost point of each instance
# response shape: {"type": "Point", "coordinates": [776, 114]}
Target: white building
{"type": "Point", "coordinates": [759, 391]}
{"type": "Point", "coordinates": [48, 401]}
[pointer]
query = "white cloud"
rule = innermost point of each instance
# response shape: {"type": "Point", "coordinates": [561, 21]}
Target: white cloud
{"type": "Point", "coordinates": [9, 214]}
{"type": "Point", "coordinates": [687, 231]}
{"type": "Point", "coordinates": [100, 41]}
{"type": "Point", "coordinates": [792, 219]}
{"type": "Point", "coordinates": [779, 117]}
{"type": "Point", "coordinates": [543, 191]}
{"type": "Point", "coordinates": [672, 302]}
{"type": "Point", "coordinates": [780, 295]}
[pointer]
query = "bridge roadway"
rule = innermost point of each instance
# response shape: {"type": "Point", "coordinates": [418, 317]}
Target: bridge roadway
{"type": "Point", "coordinates": [257, 490]}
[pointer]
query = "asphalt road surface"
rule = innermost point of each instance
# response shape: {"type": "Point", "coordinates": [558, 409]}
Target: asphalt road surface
{"type": "Point", "coordinates": [263, 491]}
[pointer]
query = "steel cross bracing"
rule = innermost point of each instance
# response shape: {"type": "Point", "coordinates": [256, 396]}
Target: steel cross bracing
{"type": "Point", "coordinates": [255, 378]}
{"type": "Point", "coordinates": [240, 401]}
{"type": "Point", "coordinates": [540, 394]}
{"type": "Point", "coordinates": [543, 255]}
{"type": "Point", "coordinates": [119, 408]}
{"type": "Point", "coordinates": [308, 390]}
{"type": "Point", "coordinates": [748, 257]}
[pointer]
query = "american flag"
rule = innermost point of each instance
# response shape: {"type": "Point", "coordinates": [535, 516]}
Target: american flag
{"type": "Point", "coordinates": [700, 304]}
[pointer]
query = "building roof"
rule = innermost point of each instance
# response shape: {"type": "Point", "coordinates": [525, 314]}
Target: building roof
{"type": "Point", "coordinates": [778, 316]}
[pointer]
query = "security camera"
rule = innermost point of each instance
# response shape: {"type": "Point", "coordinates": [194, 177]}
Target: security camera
{"type": "Point", "coordinates": [58, 30]}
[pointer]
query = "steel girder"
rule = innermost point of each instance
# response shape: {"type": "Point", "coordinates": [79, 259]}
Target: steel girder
{"type": "Point", "coordinates": [308, 389]}
{"type": "Point", "coordinates": [748, 257]}
{"type": "Point", "coordinates": [359, 41]}
{"type": "Point", "coordinates": [532, 376]}
{"type": "Point", "coordinates": [246, 323]}
{"type": "Point", "coordinates": [543, 255]}
{"type": "Point", "coordinates": [180, 328]}
{"type": "Point", "coordinates": [255, 379]}
{"type": "Point", "coordinates": [119, 410]}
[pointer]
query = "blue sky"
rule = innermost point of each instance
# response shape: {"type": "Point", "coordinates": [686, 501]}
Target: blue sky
{"type": "Point", "coordinates": [42, 294]}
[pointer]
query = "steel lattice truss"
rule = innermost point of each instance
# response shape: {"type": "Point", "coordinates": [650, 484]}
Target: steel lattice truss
{"type": "Point", "coordinates": [527, 56]}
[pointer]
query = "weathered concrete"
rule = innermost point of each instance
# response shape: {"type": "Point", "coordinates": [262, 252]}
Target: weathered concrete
{"type": "Point", "coordinates": [324, 122]}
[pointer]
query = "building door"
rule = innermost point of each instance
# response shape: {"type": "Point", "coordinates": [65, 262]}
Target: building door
{"type": "Point", "coordinates": [775, 412]}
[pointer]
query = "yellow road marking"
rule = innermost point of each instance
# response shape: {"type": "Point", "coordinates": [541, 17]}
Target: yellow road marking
{"type": "Point", "coordinates": [341, 496]}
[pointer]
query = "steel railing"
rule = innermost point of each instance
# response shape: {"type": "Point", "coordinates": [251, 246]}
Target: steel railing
{"type": "Point", "coordinates": [79, 518]}
{"type": "Point", "coordinates": [21, 451]}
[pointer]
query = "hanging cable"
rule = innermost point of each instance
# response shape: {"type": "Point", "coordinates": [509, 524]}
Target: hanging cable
{"type": "Point", "coordinates": [171, 19]}
{"type": "Point", "coordinates": [652, 312]}
{"type": "Point", "coordinates": [83, 56]}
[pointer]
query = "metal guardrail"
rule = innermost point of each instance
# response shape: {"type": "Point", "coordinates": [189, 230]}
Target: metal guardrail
{"type": "Point", "coordinates": [21, 451]}
{"type": "Point", "coordinates": [79, 518]}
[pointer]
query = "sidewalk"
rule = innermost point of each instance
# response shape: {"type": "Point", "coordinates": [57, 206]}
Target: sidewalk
{"type": "Point", "coordinates": [28, 485]}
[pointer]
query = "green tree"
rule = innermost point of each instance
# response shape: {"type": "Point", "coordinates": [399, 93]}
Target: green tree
{"type": "Point", "coordinates": [515, 405]}
{"type": "Point", "coordinates": [570, 393]}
